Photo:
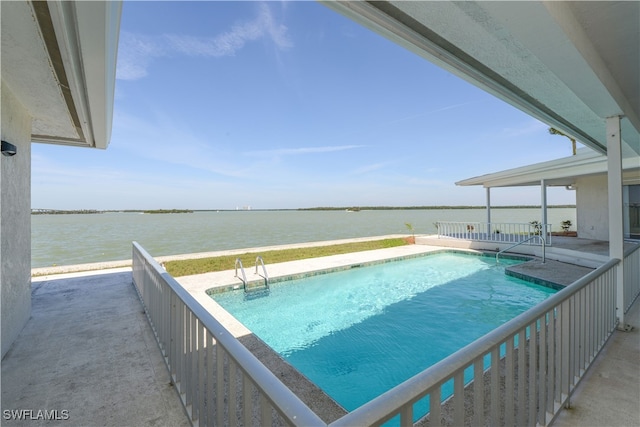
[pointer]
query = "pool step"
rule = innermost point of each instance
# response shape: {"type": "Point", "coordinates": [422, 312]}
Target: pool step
{"type": "Point", "coordinates": [252, 288]}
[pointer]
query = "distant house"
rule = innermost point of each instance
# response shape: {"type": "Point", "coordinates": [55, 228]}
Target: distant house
{"type": "Point", "coordinates": [586, 173]}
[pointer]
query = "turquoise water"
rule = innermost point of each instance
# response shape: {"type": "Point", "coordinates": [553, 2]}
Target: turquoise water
{"type": "Point", "coordinates": [359, 333]}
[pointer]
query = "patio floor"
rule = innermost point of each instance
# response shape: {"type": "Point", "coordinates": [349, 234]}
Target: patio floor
{"type": "Point", "coordinates": [609, 394]}
{"type": "Point", "coordinates": [89, 350]}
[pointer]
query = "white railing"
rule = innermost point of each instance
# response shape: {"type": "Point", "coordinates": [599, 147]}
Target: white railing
{"type": "Point", "coordinates": [631, 276]}
{"type": "Point", "coordinates": [537, 358]}
{"type": "Point", "coordinates": [561, 337]}
{"type": "Point", "coordinates": [219, 381]}
{"type": "Point", "coordinates": [499, 232]}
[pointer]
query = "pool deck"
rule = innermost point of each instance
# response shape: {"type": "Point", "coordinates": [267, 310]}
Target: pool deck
{"type": "Point", "coordinates": [609, 393]}
{"type": "Point", "coordinates": [223, 280]}
{"type": "Point", "coordinates": [89, 350]}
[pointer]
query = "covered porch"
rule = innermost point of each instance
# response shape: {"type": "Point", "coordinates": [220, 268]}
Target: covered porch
{"type": "Point", "coordinates": [586, 174]}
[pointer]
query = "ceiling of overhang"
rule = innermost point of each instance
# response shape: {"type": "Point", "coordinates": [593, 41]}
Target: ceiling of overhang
{"type": "Point", "coordinates": [569, 64]}
{"type": "Point", "coordinates": [58, 59]}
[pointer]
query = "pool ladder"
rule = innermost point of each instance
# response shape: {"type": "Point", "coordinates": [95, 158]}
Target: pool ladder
{"type": "Point", "coordinates": [544, 246]}
{"type": "Point", "coordinates": [253, 289]}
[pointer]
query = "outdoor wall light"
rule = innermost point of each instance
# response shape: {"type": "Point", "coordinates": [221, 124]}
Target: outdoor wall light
{"type": "Point", "coordinates": [8, 149]}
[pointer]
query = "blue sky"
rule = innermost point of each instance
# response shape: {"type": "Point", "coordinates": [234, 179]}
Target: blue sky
{"type": "Point", "coordinates": [286, 105]}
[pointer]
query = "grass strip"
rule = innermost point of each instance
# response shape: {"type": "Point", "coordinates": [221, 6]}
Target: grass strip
{"type": "Point", "coordinates": [227, 262]}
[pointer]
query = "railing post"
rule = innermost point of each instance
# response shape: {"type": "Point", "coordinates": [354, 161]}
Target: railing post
{"type": "Point", "coordinates": [566, 357]}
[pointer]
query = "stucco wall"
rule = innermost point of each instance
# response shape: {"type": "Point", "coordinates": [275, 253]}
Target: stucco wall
{"type": "Point", "coordinates": [15, 220]}
{"type": "Point", "coordinates": [592, 207]}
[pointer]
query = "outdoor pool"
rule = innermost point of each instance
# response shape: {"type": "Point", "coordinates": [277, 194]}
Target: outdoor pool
{"type": "Point", "coordinates": [358, 333]}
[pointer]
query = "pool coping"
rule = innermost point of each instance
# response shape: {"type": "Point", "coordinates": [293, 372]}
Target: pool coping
{"type": "Point", "coordinates": [303, 275]}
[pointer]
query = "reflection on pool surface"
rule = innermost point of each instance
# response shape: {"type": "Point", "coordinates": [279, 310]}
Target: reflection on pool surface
{"type": "Point", "coordinates": [358, 333]}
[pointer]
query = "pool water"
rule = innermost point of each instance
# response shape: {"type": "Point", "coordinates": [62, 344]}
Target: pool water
{"type": "Point", "coordinates": [360, 332]}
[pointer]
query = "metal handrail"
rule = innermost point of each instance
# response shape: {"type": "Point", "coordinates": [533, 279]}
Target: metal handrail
{"type": "Point", "coordinates": [544, 256]}
{"type": "Point", "coordinates": [264, 269]}
{"type": "Point", "coordinates": [244, 276]}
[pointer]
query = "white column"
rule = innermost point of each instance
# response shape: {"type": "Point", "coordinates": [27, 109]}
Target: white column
{"type": "Point", "coordinates": [616, 230]}
{"type": "Point", "coordinates": [488, 211]}
{"type": "Point", "coordinates": [543, 204]}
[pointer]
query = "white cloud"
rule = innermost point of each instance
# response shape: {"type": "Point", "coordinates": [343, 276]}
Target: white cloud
{"type": "Point", "coordinates": [134, 55]}
{"type": "Point", "coordinates": [532, 126]}
{"type": "Point", "coordinates": [56, 186]}
{"type": "Point", "coordinates": [427, 113]}
{"type": "Point", "coordinates": [156, 140]}
{"type": "Point", "coordinates": [137, 51]}
{"type": "Point", "coordinates": [303, 150]}
{"type": "Point", "coordinates": [368, 168]}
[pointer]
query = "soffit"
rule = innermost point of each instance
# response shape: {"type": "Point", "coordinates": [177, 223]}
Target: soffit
{"type": "Point", "coordinates": [569, 64]}
{"type": "Point", "coordinates": [58, 58]}
{"type": "Point", "coordinates": [564, 171]}
{"type": "Point", "coordinates": [28, 72]}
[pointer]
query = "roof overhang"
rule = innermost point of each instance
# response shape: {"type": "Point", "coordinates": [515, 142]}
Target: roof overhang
{"type": "Point", "coordinates": [569, 64]}
{"type": "Point", "coordinates": [59, 60]}
{"type": "Point", "coordinates": [559, 172]}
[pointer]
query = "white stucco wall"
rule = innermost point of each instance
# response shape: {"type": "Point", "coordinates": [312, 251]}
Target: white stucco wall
{"type": "Point", "coordinates": [592, 209]}
{"type": "Point", "coordinates": [15, 220]}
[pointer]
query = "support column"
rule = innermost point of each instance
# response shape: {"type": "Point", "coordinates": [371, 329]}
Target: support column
{"type": "Point", "coordinates": [488, 211]}
{"type": "Point", "coordinates": [616, 227]}
{"type": "Point", "coordinates": [543, 204]}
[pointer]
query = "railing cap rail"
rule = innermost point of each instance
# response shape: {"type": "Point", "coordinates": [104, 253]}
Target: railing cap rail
{"type": "Point", "coordinates": [632, 249]}
{"type": "Point", "coordinates": [485, 222]}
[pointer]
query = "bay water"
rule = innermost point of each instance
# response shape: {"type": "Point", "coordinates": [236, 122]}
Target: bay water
{"type": "Point", "coordinates": [84, 238]}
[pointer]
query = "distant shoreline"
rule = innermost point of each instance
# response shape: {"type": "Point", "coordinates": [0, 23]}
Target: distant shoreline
{"type": "Point", "coordinates": [319, 208]}
{"type": "Point", "coordinates": [93, 211]}
{"type": "Point", "coordinates": [389, 208]}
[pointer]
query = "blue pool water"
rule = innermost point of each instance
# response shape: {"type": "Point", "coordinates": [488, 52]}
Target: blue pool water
{"type": "Point", "coordinates": [360, 332]}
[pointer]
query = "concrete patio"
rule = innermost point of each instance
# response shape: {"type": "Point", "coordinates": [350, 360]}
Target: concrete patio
{"type": "Point", "coordinates": [609, 394]}
{"type": "Point", "coordinates": [89, 350]}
